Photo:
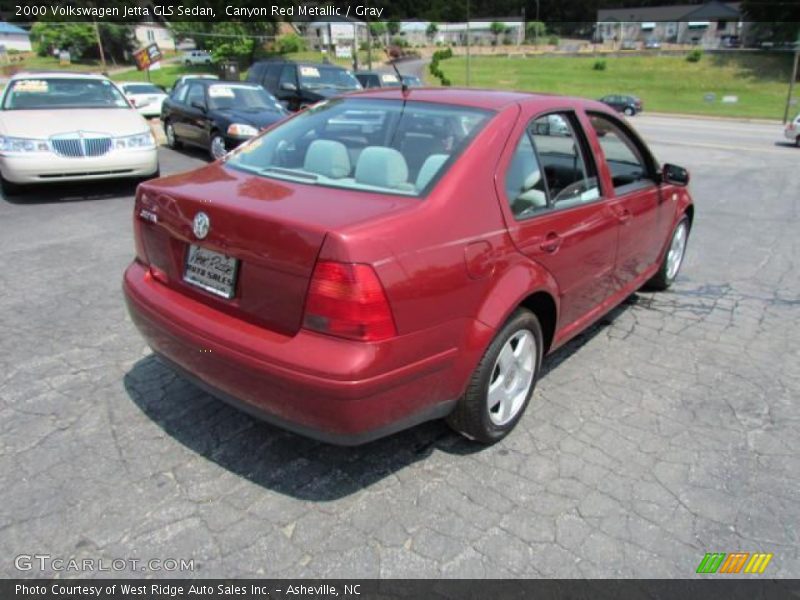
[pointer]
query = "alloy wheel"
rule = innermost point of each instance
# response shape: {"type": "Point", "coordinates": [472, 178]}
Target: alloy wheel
{"type": "Point", "coordinates": [511, 377]}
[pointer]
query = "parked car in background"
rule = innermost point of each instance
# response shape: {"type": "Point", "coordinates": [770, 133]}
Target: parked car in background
{"type": "Point", "coordinates": [375, 79]}
{"type": "Point", "coordinates": [196, 57]}
{"type": "Point", "coordinates": [792, 130]}
{"type": "Point", "coordinates": [630, 105]}
{"type": "Point", "coordinates": [184, 78]}
{"type": "Point", "coordinates": [629, 45]}
{"type": "Point", "coordinates": [298, 85]}
{"type": "Point", "coordinates": [146, 97]}
{"type": "Point", "coordinates": [652, 44]}
{"type": "Point", "coordinates": [60, 126]}
{"type": "Point", "coordinates": [217, 115]}
{"type": "Point", "coordinates": [412, 81]}
{"type": "Point", "coordinates": [380, 260]}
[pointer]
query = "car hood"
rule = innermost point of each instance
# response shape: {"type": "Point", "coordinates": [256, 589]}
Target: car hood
{"type": "Point", "coordinates": [258, 119]}
{"type": "Point", "coordinates": [45, 123]}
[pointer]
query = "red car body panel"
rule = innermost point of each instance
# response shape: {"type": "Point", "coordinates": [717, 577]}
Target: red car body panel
{"type": "Point", "coordinates": [454, 265]}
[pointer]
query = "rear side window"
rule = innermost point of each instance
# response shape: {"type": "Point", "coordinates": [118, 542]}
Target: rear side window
{"type": "Point", "coordinates": [256, 73]}
{"type": "Point", "coordinates": [550, 168]}
{"type": "Point", "coordinates": [271, 75]}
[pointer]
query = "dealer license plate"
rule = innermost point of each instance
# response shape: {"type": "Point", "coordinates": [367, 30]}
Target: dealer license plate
{"type": "Point", "coordinates": [211, 271]}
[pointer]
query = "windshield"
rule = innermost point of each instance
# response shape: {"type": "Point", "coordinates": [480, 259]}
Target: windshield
{"type": "Point", "coordinates": [328, 77]}
{"type": "Point", "coordinates": [55, 93]}
{"type": "Point", "coordinates": [141, 88]}
{"type": "Point", "coordinates": [241, 97]}
{"type": "Point", "coordinates": [364, 144]}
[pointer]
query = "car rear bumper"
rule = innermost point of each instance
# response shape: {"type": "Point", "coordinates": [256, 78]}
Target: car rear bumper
{"type": "Point", "coordinates": [791, 134]}
{"type": "Point", "coordinates": [53, 168]}
{"type": "Point", "coordinates": [331, 389]}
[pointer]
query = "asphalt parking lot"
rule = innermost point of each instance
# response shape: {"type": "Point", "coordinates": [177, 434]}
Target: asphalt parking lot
{"type": "Point", "coordinates": [670, 429]}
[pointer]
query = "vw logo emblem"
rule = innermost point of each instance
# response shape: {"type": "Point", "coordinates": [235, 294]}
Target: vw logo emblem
{"type": "Point", "coordinates": [201, 225]}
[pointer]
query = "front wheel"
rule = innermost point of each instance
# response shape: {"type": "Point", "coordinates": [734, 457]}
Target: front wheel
{"type": "Point", "coordinates": [10, 189]}
{"type": "Point", "coordinates": [797, 141]}
{"type": "Point", "coordinates": [502, 384]}
{"type": "Point", "coordinates": [629, 111]}
{"type": "Point", "coordinates": [673, 259]}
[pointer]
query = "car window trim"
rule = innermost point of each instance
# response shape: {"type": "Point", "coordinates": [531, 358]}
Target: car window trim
{"type": "Point", "coordinates": [651, 164]}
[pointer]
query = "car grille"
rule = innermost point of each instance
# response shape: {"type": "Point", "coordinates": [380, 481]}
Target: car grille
{"type": "Point", "coordinates": [76, 148]}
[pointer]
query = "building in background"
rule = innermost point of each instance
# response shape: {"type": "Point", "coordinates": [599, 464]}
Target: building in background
{"type": "Point", "coordinates": [14, 38]}
{"type": "Point", "coordinates": [154, 33]}
{"type": "Point", "coordinates": [711, 25]}
{"type": "Point", "coordinates": [480, 33]}
{"type": "Point", "coordinates": [339, 32]}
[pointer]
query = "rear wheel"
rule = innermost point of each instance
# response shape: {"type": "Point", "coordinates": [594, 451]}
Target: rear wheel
{"type": "Point", "coordinates": [629, 111]}
{"type": "Point", "coordinates": [503, 382]}
{"type": "Point", "coordinates": [673, 259]}
{"type": "Point", "coordinates": [172, 139]}
{"type": "Point", "coordinates": [797, 141]}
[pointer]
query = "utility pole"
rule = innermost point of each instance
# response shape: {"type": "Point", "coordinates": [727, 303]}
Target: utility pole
{"type": "Point", "coordinates": [791, 81]}
{"type": "Point", "coordinates": [467, 43]}
{"type": "Point", "coordinates": [100, 45]}
{"type": "Point", "coordinates": [369, 47]}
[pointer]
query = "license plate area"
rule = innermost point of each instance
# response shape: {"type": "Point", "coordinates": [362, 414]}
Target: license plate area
{"type": "Point", "coordinates": [211, 271]}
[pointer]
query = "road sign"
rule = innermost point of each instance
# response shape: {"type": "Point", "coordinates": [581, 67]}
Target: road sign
{"type": "Point", "coordinates": [144, 57]}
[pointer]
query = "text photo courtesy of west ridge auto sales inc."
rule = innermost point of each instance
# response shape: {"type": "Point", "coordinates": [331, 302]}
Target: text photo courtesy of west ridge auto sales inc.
{"type": "Point", "coordinates": [383, 300]}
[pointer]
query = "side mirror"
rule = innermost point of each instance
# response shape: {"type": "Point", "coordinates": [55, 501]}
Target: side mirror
{"type": "Point", "coordinates": [675, 175]}
{"type": "Point", "coordinates": [198, 105]}
{"type": "Point", "coordinates": [288, 87]}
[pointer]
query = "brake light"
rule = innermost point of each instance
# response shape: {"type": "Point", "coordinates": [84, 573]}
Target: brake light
{"type": "Point", "coordinates": [348, 300]}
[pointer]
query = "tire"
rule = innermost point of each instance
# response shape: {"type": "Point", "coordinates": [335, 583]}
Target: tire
{"type": "Point", "coordinates": [10, 189]}
{"type": "Point", "coordinates": [629, 111]}
{"type": "Point", "coordinates": [172, 138]}
{"type": "Point", "coordinates": [797, 141]}
{"type": "Point", "coordinates": [214, 144]}
{"type": "Point", "coordinates": [473, 416]}
{"type": "Point", "coordinates": [668, 270]}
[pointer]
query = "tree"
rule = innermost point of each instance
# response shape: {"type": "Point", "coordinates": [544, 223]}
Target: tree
{"type": "Point", "coordinates": [80, 41]}
{"type": "Point", "coordinates": [497, 29]}
{"type": "Point", "coordinates": [226, 40]}
{"type": "Point", "coordinates": [431, 31]}
{"type": "Point", "coordinates": [772, 21]}
{"type": "Point", "coordinates": [393, 27]}
{"type": "Point", "coordinates": [535, 30]}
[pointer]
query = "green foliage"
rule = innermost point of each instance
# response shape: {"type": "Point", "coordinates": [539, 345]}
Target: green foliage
{"type": "Point", "coordinates": [694, 55]}
{"type": "Point", "coordinates": [377, 28]}
{"type": "Point", "coordinates": [497, 28]}
{"type": "Point", "coordinates": [553, 40]}
{"type": "Point", "coordinates": [393, 27]}
{"type": "Point", "coordinates": [599, 65]}
{"type": "Point", "coordinates": [226, 40]}
{"type": "Point", "coordinates": [535, 30]}
{"type": "Point", "coordinates": [291, 43]}
{"type": "Point", "coordinates": [434, 67]}
{"type": "Point", "coordinates": [432, 30]}
{"type": "Point", "coordinates": [400, 42]}
{"type": "Point", "coordinates": [76, 38]}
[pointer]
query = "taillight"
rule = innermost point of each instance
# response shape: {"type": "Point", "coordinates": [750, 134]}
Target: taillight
{"type": "Point", "coordinates": [348, 300]}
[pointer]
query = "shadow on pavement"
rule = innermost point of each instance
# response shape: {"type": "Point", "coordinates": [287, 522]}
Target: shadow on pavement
{"type": "Point", "coordinates": [285, 462]}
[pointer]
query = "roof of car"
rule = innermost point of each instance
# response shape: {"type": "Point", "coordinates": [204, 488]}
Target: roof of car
{"type": "Point", "coordinates": [57, 75]}
{"type": "Point", "coordinates": [472, 97]}
{"type": "Point", "coordinates": [136, 83]}
{"type": "Point", "coordinates": [301, 63]}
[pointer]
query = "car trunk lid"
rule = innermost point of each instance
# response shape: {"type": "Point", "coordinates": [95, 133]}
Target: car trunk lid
{"type": "Point", "coordinates": [274, 229]}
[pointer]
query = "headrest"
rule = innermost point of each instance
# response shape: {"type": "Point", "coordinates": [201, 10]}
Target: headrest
{"type": "Point", "coordinates": [429, 169]}
{"type": "Point", "coordinates": [327, 158]}
{"type": "Point", "coordinates": [380, 166]}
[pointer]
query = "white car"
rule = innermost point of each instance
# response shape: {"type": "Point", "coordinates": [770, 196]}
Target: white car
{"type": "Point", "coordinates": [792, 131]}
{"type": "Point", "coordinates": [70, 126]}
{"type": "Point", "coordinates": [146, 97]}
{"type": "Point", "coordinates": [196, 57]}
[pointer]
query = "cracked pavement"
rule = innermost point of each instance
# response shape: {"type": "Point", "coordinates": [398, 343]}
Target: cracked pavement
{"type": "Point", "coordinates": [668, 430]}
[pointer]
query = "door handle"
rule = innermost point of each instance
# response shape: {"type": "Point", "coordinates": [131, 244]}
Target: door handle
{"type": "Point", "coordinates": [624, 215]}
{"type": "Point", "coordinates": [551, 243]}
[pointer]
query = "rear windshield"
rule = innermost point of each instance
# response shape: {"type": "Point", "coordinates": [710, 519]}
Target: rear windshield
{"type": "Point", "coordinates": [365, 144]}
{"type": "Point", "coordinates": [141, 88]}
{"type": "Point", "coordinates": [327, 77]}
{"type": "Point", "coordinates": [53, 93]}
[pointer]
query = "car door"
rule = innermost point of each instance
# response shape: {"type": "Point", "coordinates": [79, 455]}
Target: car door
{"type": "Point", "coordinates": [288, 87]}
{"type": "Point", "coordinates": [556, 212]}
{"type": "Point", "coordinates": [196, 119]}
{"type": "Point", "coordinates": [174, 109]}
{"type": "Point", "coordinates": [638, 200]}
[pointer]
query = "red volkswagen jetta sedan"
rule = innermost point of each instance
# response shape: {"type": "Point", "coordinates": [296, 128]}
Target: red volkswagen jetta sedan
{"type": "Point", "coordinates": [391, 257]}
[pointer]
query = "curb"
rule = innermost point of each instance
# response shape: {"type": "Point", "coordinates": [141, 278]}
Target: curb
{"type": "Point", "coordinates": [713, 118]}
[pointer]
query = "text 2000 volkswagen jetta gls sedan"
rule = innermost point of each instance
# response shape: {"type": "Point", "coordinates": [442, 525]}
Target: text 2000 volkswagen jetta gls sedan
{"type": "Point", "coordinates": [388, 258]}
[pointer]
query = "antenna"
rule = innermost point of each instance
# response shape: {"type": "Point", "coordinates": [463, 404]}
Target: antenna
{"type": "Point", "coordinates": [403, 84]}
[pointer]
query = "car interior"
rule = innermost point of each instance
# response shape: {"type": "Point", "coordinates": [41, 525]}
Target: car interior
{"type": "Point", "coordinates": [401, 151]}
